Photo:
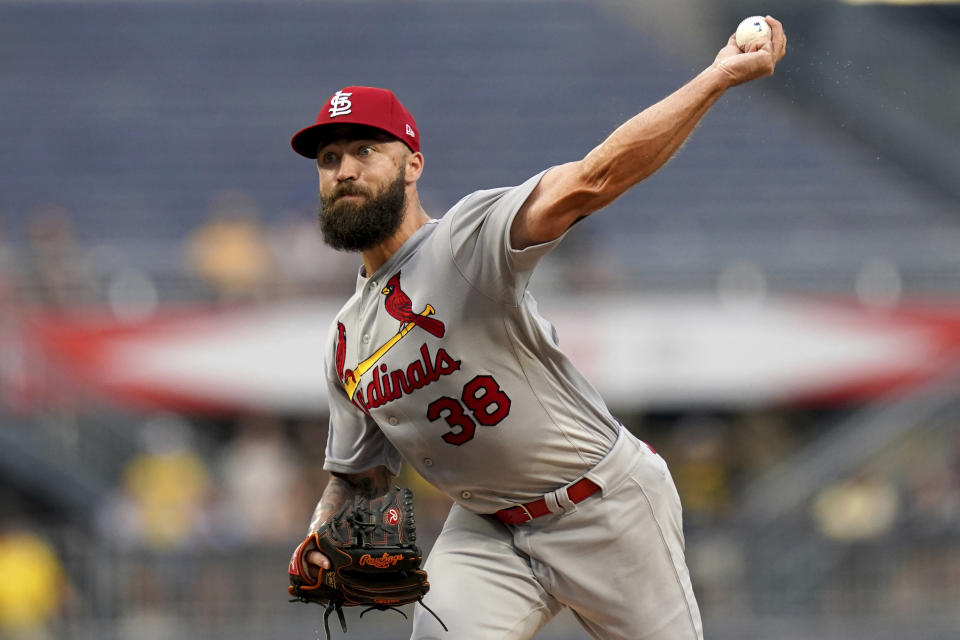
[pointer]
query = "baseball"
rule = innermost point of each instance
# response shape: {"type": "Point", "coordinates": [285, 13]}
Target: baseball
{"type": "Point", "coordinates": [751, 29]}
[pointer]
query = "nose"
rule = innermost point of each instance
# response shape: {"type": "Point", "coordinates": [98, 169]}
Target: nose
{"type": "Point", "coordinates": [348, 169]}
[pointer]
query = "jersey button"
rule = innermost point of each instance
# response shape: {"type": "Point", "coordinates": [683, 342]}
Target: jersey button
{"type": "Point", "coordinates": [466, 495]}
{"type": "Point", "coordinates": [393, 420]}
{"type": "Point", "coordinates": [428, 462]}
{"type": "Point", "coordinates": [366, 339]}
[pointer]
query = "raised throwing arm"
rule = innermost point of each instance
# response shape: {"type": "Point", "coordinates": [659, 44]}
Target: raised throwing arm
{"type": "Point", "coordinates": [640, 146]}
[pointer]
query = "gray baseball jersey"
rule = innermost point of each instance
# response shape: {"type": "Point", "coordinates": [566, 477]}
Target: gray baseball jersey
{"type": "Point", "coordinates": [440, 358]}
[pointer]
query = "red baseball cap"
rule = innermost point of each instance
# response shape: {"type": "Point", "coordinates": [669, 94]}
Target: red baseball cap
{"type": "Point", "coordinates": [369, 106]}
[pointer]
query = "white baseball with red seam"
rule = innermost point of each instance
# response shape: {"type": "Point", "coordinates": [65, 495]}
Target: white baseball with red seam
{"type": "Point", "coordinates": [753, 28]}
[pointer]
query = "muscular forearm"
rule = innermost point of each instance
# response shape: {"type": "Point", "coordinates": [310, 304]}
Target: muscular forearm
{"type": "Point", "coordinates": [640, 146]}
{"type": "Point", "coordinates": [634, 151]}
{"type": "Point", "coordinates": [643, 144]}
{"type": "Point", "coordinates": [343, 487]}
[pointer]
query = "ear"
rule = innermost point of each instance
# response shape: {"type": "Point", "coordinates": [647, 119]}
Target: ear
{"type": "Point", "coordinates": [414, 162]}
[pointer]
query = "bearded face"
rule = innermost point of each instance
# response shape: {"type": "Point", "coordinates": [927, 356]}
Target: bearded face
{"type": "Point", "coordinates": [358, 224]}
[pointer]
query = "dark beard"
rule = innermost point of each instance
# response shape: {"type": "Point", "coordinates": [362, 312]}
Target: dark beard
{"type": "Point", "coordinates": [347, 226]}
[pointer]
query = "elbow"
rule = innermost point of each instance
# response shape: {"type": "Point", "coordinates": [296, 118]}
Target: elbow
{"type": "Point", "coordinates": [597, 186]}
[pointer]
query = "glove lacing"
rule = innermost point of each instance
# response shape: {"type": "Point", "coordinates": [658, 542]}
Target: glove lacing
{"type": "Point", "coordinates": [331, 607]}
{"type": "Point", "coordinates": [338, 607]}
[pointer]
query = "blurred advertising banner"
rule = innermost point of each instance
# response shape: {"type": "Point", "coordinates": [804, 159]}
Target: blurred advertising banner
{"type": "Point", "coordinates": [640, 352]}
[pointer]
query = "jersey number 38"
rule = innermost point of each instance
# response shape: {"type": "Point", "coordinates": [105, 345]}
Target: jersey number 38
{"type": "Point", "coordinates": [482, 398]}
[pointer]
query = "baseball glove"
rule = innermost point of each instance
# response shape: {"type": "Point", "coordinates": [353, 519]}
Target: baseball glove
{"type": "Point", "coordinates": [374, 561]}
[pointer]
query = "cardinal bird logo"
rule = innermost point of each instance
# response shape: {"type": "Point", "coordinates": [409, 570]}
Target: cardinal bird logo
{"type": "Point", "coordinates": [341, 356]}
{"type": "Point", "coordinates": [399, 306]}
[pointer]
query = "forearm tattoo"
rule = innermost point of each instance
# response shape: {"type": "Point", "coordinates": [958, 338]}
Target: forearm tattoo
{"type": "Point", "coordinates": [375, 484]}
{"type": "Point", "coordinates": [337, 492]}
{"type": "Point", "coordinates": [342, 488]}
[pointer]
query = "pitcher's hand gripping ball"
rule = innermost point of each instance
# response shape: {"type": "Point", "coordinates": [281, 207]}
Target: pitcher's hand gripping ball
{"type": "Point", "coordinates": [374, 559]}
{"type": "Point", "coordinates": [752, 28]}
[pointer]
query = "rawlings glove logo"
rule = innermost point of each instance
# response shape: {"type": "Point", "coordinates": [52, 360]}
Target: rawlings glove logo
{"type": "Point", "coordinates": [393, 515]}
{"type": "Point", "coordinates": [383, 562]}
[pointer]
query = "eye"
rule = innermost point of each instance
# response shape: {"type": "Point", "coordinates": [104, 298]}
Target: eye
{"type": "Point", "coordinates": [328, 157]}
{"type": "Point", "coordinates": [365, 150]}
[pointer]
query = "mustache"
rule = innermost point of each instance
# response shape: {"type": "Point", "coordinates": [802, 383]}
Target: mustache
{"type": "Point", "coordinates": [348, 189]}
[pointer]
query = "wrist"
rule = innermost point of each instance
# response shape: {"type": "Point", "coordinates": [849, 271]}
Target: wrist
{"type": "Point", "coordinates": [719, 76]}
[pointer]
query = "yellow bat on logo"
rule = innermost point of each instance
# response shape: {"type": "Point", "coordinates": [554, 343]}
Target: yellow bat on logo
{"type": "Point", "coordinates": [353, 381]}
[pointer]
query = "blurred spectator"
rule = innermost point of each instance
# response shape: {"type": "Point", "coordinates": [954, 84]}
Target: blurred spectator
{"type": "Point", "coordinates": [860, 508]}
{"type": "Point", "coordinates": [310, 440]}
{"type": "Point", "coordinates": [306, 266]}
{"type": "Point", "coordinates": [33, 587]}
{"type": "Point", "coordinates": [258, 470]}
{"type": "Point", "coordinates": [58, 272]}
{"type": "Point", "coordinates": [933, 497]}
{"type": "Point", "coordinates": [230, 252]}
{"type": "Point", "coordinates": [761, 439]}
{"type": "Point", "coordinates": [166, 491]}
{"type": "Point", "coordinates": [701, 468]}
{"type": "Point", "coordinates": [719, 559]}
{"type": "Point", "coordinates": [150, 610]}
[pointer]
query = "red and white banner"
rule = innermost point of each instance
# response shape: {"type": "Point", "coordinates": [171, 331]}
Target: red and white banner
{"type": "Point", "coordinates": [640, 352]}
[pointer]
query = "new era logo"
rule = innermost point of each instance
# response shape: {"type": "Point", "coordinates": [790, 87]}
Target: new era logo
{"type": "Point", "coordinates": [340, 104]}
{"type": "Point", "coordinates": [410, 132]}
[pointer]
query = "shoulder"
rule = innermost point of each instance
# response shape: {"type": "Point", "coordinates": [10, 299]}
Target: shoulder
{"type": "Point", "coordinates": [483, 202]}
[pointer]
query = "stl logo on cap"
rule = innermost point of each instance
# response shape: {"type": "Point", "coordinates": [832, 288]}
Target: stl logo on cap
{"type": "Point", "coordinates": [340, 104]}
{"type": "Point", "coordinates": [362, 106]}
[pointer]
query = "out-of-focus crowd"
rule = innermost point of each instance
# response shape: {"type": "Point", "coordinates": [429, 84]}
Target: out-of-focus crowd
{"type": "Point", "coordinates": [256, 484]}
{"type": "Point", "coordinates": [201, 504]}
{"type": "Point", "coordinates": [193, 485]}
{"type": "Point", "coordinates": [200, 488]}
{"type": "Point", "coordinates": [233, 255]}
{"type": "Point", "coordinates": [194, 500]}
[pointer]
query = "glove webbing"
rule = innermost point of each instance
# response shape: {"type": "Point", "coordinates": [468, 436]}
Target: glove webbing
{"type": "Point", "coordinates": [366, 524]}
{"type": "Point", "coordinates": [338, 607]}
{"type": "Point", "coordinates": [364, 530]}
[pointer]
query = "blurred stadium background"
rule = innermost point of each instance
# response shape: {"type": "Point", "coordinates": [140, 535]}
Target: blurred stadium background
{"type": "Point", "coordinates": [777, 312]}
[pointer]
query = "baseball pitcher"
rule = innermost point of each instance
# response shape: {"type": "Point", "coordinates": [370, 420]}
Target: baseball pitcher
{"type": "Point", "coordinates": [441, 360]}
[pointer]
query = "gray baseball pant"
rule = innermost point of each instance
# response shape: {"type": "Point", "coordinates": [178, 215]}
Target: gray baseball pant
{"type": "Point", "coordinates": [616, 559]}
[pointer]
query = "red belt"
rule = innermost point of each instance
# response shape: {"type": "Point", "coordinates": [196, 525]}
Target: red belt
{"type": "Point", "coordinates": [577, 492]}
